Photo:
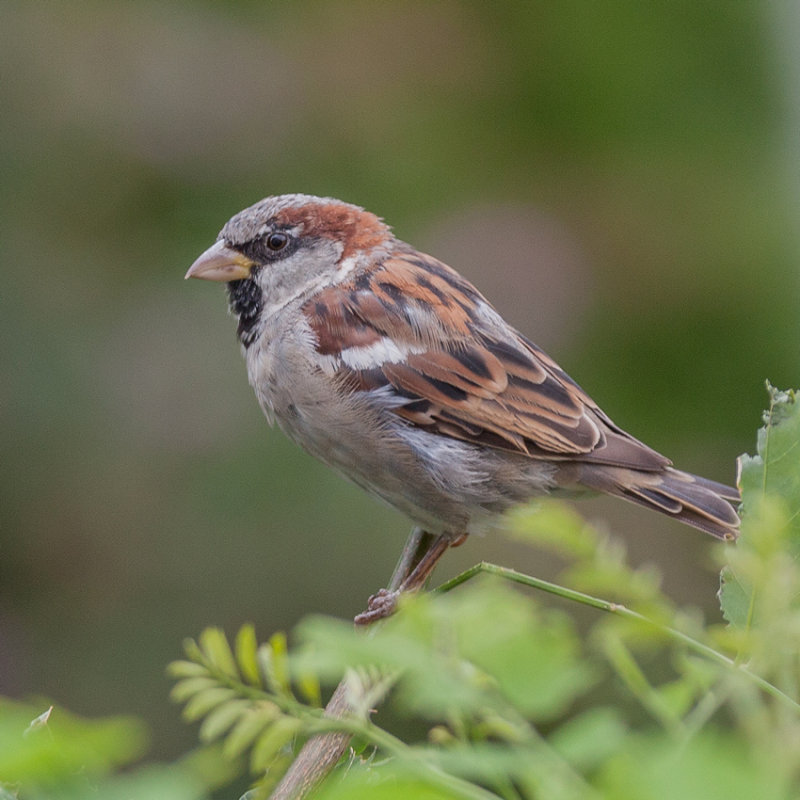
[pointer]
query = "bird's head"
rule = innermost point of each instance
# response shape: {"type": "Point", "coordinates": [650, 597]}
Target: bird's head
{"type": "Point", "coordinates": [286, 247]}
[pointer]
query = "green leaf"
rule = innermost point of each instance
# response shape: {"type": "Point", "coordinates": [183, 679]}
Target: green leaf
{"type": "Point", "coordinates": [186, 669]}
{"type": "Point", "coordinates": [273, 660]}
{"type": "Point", "coordinates": [194, 653]}
{"type": "Point", "coordinates": [222, 718]}
{"type": "Point", "coordinates": [590, 738]}
{"type": "Point", "coordinates": [54, 752]}
{"type": "Point", "coordinates": [202, 702]}
{"type": "Point", "coordinates": [480, 647]}
{"type": "Point", "coordinates": [387, 782]}
{"type": "Point", "coordinates": [734, 598]}
{"type": "Point", "coordinates": [714, 766]}
{"type": "Point", "coordinates": [770, 484]}
{"type": "Point", "coordinates": [484, 762]}
{"type": "Point", "coordinates": [162, 782]}
{"type": "Point", "coordinates": [779, 449]}
{"type": "Point", "coordinates": [280, 661]}
{"type": "Point", "coordinates": [676, 696]}
{"type": "Point", "coordinates": [775, 470]}
{"type": "Point", "coordinates": [554, 525]}
{"type": "Point", "coordinates": [216, 649]}
{"type": "Point", "coordinates": [308, 686]}
{"type": "Point", "coordinates": [521, 650]}
{"type": "Point", "coordinates": [249, 726]}
{"type": "Point", "coordinates": [277, 736]}
{"type": "Point", "coordinates": [189, 687]}
{"type": "Point", "coordinates": [246, 654]}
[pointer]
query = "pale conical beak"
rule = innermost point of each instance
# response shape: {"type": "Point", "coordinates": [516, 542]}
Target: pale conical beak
{"type": "Point", "coordinates": [221, 263]}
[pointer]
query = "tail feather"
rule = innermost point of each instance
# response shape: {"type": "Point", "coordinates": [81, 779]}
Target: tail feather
{"type": "Point", "coordinates": [696, 501]}
{"type": "Point", "coordinates": [653, 498]}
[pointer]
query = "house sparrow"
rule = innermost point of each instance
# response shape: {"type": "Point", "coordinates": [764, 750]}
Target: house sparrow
{"type": "Point", "coordinates": [388, 366]}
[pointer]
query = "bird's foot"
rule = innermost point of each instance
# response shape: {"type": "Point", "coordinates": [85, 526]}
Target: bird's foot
{"type": "Point", "coordinates": [382, 604]}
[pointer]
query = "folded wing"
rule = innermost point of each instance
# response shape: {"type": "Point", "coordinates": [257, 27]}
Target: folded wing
{"type": "Point", "coordinates": [415, 327]}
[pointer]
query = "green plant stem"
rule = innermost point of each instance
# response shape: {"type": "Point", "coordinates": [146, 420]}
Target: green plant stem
{"type": "Point", "coordinates": [420, 762]}
{"type": "Point", "coordinates": [316, 723]}
{"type": "Point", "coordinates": [707, 706]}
{"type": "Point", "coordinates": [399, 749]}
{"type": "Point", "coordinates": [638, 685]}
{"type": "Point", "coordinates": [623, 611]}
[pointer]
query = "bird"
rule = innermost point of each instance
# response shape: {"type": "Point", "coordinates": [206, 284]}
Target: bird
{"type": "Point", "coordinates": [394, 370]}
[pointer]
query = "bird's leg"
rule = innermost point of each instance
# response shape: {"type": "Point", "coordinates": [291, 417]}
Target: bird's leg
{"type": "Point", "coordinates": [322, 752]}
{"type": "Point", "coordinates": [420, 556]}
{"type": "Point", "coordinates": [418, 543]}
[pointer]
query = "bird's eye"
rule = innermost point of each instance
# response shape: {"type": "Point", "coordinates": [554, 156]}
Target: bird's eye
{"type": "Point", "coordinates": [277, 241]}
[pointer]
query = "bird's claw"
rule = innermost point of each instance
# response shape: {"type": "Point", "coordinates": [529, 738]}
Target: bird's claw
{"type": "Point", "coordinates": [382, 604]}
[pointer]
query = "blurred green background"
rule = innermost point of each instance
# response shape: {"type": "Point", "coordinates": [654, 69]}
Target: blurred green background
{"type": "Point", "coordinates": [620, 179]}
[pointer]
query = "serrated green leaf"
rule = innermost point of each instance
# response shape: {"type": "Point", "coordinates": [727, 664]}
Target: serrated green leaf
{"type": "Point", "coordinates": [278, 735]}
{"type": "Point", "coordinates": [222, 718]}
{"type": "Point", "coordinates": [734, 598]}
{"type": "Point", "coordinates": [775, 470]}
{"type": "Point", "coordinates": [770, 484]}
{"type": "Point", "coordinates": [201, 703]}
{"type": "Point", "coordinates": [189, 687]}
{"type": "Point", "coordinates": [215, 647]}
{"type": "Point", "coordinates": [185, 669]}
{"type": "Point", "coordinates": [249, 726]}
{"type": "Point", "coordinates": [247, 654]}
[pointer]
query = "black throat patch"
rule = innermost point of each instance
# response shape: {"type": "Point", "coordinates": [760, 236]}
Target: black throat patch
{"type": "Point", "coordinates": [245, 299]}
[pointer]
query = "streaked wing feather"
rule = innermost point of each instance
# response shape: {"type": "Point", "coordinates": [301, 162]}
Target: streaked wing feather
{"type": "Point", "coordinates": [461, 377]}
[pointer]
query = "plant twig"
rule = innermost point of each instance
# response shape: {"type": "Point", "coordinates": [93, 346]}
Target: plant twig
{"type": "Point", "coordinates": [623, 611]}
{"type": "Point", "coordinates": [320, 754]}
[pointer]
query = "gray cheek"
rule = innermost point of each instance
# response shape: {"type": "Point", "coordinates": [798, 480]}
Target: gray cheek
{"type": "Point", "coordinates": [312, 265]}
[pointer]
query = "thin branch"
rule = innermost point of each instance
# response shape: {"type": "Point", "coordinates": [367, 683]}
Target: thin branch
{"type": "Point", "coordinates": [320, 754]}
{"type": "Point", "coordinates": [623, 611]}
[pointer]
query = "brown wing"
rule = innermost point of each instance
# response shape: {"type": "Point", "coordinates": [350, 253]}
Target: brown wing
{"type": "Point", "coordinates": [414, 327]}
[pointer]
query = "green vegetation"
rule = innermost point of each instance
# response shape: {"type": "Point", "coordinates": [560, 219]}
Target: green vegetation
{"type": "Point", "coordinates": [497, 692]}
{"type": "Point", "coordinates": [619, 179]}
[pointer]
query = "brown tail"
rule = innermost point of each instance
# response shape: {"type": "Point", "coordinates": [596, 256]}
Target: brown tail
{"type": "Point", "coordinates": [704, 504]}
